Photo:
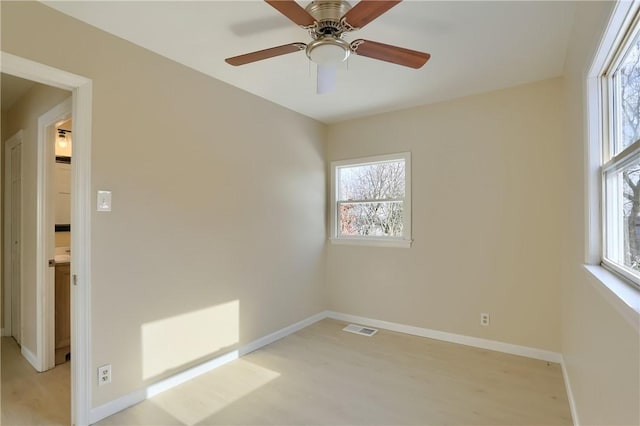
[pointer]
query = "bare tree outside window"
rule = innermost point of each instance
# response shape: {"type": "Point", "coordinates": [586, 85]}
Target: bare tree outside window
{"type": "Point", "coordinates": [629, 114]}
{"type": "Point", "coordinates": [371, 199]}
{"type": "Point", "coordinates": [629, 122]}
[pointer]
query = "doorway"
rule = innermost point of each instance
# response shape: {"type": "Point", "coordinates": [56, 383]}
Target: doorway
{"type": "Point", "coordinates": [29, 108]}
{"type": "Point", "coordinates": [81, 88]}
{"type": "Point", "coordinates": [53, 247]}
{"type": "Point", "coordinates": [62, 255]}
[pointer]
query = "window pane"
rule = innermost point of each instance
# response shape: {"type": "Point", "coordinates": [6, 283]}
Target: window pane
{"type": "Point", "coordinates": [372, 182]}
{"type": "Point", "coordinates": [370, 219]}
{"type": "Point", "coordinates": [628, 116]}
{"type": "Point", "coordinates": [631, 213]}
{"type": "Point", "coordinates": [623, 193]}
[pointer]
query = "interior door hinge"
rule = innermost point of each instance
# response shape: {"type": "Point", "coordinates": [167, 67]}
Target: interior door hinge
{"type": "Point", "coordinates": [75, 279]}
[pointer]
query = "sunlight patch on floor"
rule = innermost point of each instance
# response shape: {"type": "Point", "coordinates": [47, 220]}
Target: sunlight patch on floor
{"type": "Point", "coordinates": [172, 343]}
{"type": "Point", "coordinates": [200, 398]}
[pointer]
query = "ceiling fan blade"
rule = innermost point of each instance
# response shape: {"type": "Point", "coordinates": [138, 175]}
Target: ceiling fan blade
{"type": "Point", "coordinates": [394, 54]}
{"type": "Point", "coordinates": [326, 79]}
{"type": "Point", "coordinates": [259, 55]}
{"type": "Point", "coordinates": [366, 11]}
{"type": "Point", "coordinates": [293, 11]}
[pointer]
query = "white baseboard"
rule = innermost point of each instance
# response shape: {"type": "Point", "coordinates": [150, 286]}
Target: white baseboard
{"type": "Point", "coordinates": [451, 337]}
{"type": "Point", "coordinates": [135, 397]}
{"type": "Point", "coordinates": [263, 341]}
{"type": "Point", "coordinates": [572, 403]}
{"type": "Point", "coordinates": [140, 395]}
{"type": "Point", "coordinates": [191, 373]}
{"type": "Point", "coordinates": [150, 391]}
{"type": "Point", "coordinates": [118, 404]}
{"type": "Point", "coordinates": [29, 356]}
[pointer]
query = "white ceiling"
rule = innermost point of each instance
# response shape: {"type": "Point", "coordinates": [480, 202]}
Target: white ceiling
{"type": "Point", "coordinates": [476, 46]}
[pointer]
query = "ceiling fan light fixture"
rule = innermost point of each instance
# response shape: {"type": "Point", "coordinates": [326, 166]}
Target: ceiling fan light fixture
{"type": "Point", "coordinates": [328, 50]}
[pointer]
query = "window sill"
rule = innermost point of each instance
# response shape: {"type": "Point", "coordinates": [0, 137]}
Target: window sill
{"type": "Point", "coordinates": [620, 294]}
{"type": "Point", "coordinates": [373, 242]}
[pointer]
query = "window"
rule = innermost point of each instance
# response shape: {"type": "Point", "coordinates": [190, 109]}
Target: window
{"type": "Point", "coordinates": [371, 200]}
{"type": "Point", "coordinates": [621, 157]}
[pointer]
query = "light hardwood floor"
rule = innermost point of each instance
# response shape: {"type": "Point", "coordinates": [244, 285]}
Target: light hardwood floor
{"type": "Point", "coordinates": [32, 398]}
{"type": "Point", "coordinates": [324, 376]}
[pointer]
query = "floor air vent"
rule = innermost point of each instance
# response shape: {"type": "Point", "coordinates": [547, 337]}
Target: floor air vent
{"type": "Point", "coordinates": [358, 329]}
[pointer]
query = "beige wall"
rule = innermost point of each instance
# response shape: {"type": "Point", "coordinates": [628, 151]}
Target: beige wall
{"type": "Point", "coordinates": [63, 239]}
{"type": "Point", "coordinates": [217, 235]}
{"type": "Point", "coordinates": [3, 125]}
{"type": "Point", "coordinates": [184, 267]}
{"type": "Point", "coordinates": [600, 348]}
{"type": "Point", "coordinates": [24, 115]}
{"type": "Point", "coordinates": [485, 195]}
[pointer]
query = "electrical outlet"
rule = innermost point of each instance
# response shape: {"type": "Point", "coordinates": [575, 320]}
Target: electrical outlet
{"type": "Point", "coordinates": [104, 374]}
{"type": "Point", "coordinates": [484, 319]}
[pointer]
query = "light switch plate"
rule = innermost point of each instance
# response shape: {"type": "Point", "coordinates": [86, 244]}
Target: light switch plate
{"type": "Point", "coordinates": [104, 201]}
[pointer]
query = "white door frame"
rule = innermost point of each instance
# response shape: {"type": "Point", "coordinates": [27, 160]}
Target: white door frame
{"type": "Point", "coordinates": [81, 88]}
{"type": "Point", "coordinates": [12, 142]}
{"type": "Point", "coordinates": [45, 236]}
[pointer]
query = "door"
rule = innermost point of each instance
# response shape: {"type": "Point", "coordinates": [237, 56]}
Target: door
{"type": "Point", "coordinates": [63, 313]}
{"type": "Point", "coordinates": [16, 204]}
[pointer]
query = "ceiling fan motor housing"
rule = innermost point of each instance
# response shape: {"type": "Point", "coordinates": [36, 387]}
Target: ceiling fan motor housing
{"type": "Point", "coordinates": [328, 15]}
{"type": "Point", "coordinates": [328, 47]}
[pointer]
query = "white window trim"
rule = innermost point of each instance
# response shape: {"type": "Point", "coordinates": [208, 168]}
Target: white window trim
{"type": "Point", "coordinates": [615, 161]}
{"type": "Point", "coordinates": [405, 241]}
{"type": "Point", "coordinates": [619, 292]}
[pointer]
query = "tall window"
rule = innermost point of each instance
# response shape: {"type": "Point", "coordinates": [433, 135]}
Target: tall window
{"type": "Point", "coordinates": [371, 202]}
{"type": "Point", "coordinates": [621, 169]}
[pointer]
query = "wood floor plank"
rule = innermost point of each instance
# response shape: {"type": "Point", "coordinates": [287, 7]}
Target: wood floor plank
{"type": "Point", "coordinates": [30, 398]}
{"type": "Point", "coordinates": [324, 376]}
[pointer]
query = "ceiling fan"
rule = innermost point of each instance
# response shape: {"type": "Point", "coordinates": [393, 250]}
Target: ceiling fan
{"type": "Point", "coordinates": [327, 21]}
